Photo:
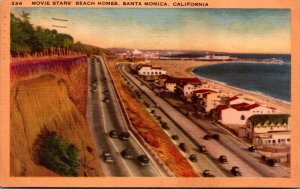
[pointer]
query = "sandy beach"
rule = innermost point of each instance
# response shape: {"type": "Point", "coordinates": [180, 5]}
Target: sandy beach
{"type": "Point", "coordinates": [183, 68]}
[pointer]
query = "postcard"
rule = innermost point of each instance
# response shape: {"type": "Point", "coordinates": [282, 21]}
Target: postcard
{"type": "Point", "coordinates": [120, 93]}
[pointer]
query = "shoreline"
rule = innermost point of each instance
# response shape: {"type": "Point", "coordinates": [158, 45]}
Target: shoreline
{"type": "Point", "coordinates": [187, 71]}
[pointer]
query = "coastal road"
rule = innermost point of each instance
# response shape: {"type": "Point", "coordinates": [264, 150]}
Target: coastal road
{"type": "Point", "coordinates": [106, 116]}
{"type": "Point", "coordinates": [236, 152]}
{"type": "Point", "coordinates": [203, 161]}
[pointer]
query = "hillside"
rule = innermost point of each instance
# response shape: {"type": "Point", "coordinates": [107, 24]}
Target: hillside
{"type": "Point", "coordinates": [36, 107]}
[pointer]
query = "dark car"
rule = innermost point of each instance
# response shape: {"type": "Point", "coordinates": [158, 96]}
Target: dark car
{"type": "Point", "coordinates": [143, 159]}
{"type": "Point", "coordinates": [272, 162]}
{"type": "Point", "coordinates": [202, 149]}
{"type": "Point", "coordinates": [223, 159]}
{"type": "Point", "coordinates": [183, 147]}
{"type": "Point", "coordinates": [105, 100]}
{"type": "Point", "coordinates": [114, 133]}
{"type": "Point", "coordinates": [165, 126]}
{"type": "Point", "coordinates": [264, 158]}
{"type": "Point", "coordinates": [107, 157]}
{"type": "Point", "coordinates": [216, 136]}
{"type": "Point", "coordinates": [252, 149]}
{"type": "Point", "coordinates": [175, 137]}
{"type": "Point", "coordinates": [235, 170]}
{"type": "Point", "coordinates": [193, 158]}
{"type": "Point", "coordinates": [124, 135]}
{"type": "Point", "coordinates": [206, 137]}
{"type": "Point", "coordinates": [206, 173]}
{"type": "Point", "coordinates": [127, 154]}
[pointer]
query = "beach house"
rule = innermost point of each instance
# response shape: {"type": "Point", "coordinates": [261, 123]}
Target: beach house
{"type": "Point", "coordinates": [149, 72]}
{"type": "Point", "coordinates": [172, 82]}
{"type": "Point", "coordinates": [237, 114]}
{"type": "Point", "coordinates": [269, 130]}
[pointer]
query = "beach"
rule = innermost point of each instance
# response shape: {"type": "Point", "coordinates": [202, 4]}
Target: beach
{"type": "Point", "coordinates": [184, 68]}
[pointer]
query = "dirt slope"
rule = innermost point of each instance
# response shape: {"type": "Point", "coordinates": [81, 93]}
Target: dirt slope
{"type": "Point", "coordinates": [40, 104]}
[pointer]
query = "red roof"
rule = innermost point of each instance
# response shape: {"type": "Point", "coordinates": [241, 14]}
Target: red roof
{"type": "Point", "coordinates": [221, 107]}
{"type": "Point", "coordinates": [244, 106]}
{"type": "Point", "coordinates": [183, 80]}
{"type": "Point", "coordinates": [233, 98]}
{"type": "Point", "coordinates": [203, 91]}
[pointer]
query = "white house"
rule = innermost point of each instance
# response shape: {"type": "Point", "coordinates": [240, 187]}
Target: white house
{"type": "Point", "coordinates": [172, 82]}
{"type": "Point", "coordinates": [149, 70]}
{"type": "Point", "coordinates": [266, 130]}
{"type": "Point", "coordinates": [237, 114]}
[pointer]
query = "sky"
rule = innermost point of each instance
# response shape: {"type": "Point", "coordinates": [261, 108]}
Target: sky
{"type": "Point", "coordinates": [226, 30]}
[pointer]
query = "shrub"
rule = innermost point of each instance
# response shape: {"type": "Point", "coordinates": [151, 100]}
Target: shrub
{"type": "Point", "coordinates": [59, 156]}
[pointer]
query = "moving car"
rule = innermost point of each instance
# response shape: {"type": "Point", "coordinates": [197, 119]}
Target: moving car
{"type": "Point", "coordinates": [223, 159]}
{"type": "Point", "coordinates": [202, 149]}
{"type": "Point", "coordinates": [143, 159]}
{"type": "Point", "coordinates": [175, 137]}
{"type": "Point", "coordinates": [206, 173]}
{"type": "Point", "coordinates": [235, 170]}
{"type": "Point", "coordinates": [193, 158]}
{"type": "Point", "coordinates": [252, 149]}
{"type": "Point", "coordinates": [206, 137]}
{"type": "Point", "coordinates": [107, 157]}
{"type": "Point", "coordinates": [124, 135]}
{"type": "Point", "coordinates": [114, 133]}
{"type": "Point", "coordinates": [272, 162]}
{"type": "Point", "coordinates": [183, 147]}
{"type": "Point", "coordinates": [127, 154]}
{"type": "Point", "coordinates": [215, 136]}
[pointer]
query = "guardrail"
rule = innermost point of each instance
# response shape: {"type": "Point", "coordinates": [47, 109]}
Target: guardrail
{"type": "Point", "coordinates": [132, 128]}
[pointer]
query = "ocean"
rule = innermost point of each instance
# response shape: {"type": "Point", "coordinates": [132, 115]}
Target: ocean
{"type": "Point", "coordinates": [268, 79]}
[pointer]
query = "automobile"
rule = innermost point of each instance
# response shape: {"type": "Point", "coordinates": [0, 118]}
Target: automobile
{"type": "Point", "coordinates": [114, 133]}
{"type": "Point", "coordinates": [215, 136]}
{"type": "Point", "coordinates": [206, 137]}
{"type": "Point", "coordinates": [124, 135]}
{"type": "Point", "coordinates": [252, 149]}
{"type": "Point", "coordinates": [175, 137]}
{"type": "Point", "coordinates": [143, 159]}
{"type": "Point", "coordinates": [106, 100]}
{"type": "Point", "coordinates": [202, 149]}
{"type": "Point", "coordinates": [94, 90]}
{"type": "Point", "coordinates": [193, 158]}
{"type": "Point", "coordinates": [165, 126]}
{"type": "Point", "coordinates": [104, 79]}
{"type": "Point", "coordinates": [107, 157]}
{"type": "Point", "coordinates": [183, 147]}
{"type": "Point", "coordinates": [223, 159]}
{"type": "Point", "coordinates": [264, 158]}
{"type": "Point", "coordinates": [206, 173]}
{"type": "Point", "coordinates": [235, 170]}
{"type": "Point", "coordinates": [127, 154]}
{"type": "Point", "coordinates": [272, 162]}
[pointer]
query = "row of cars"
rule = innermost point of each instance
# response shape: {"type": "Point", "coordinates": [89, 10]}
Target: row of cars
{"type": "Point", "coordinates": [126, 153]}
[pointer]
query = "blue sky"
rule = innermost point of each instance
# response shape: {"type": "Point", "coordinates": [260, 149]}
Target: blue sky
{"type": "Point", "coordinates": [231, 30]}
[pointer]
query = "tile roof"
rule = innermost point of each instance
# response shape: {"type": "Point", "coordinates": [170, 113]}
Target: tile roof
{"type": "Point", "coordinates": [183, 80]}
{"type": "Point", "coordinates": [221, 107]}
{"type": "Point", "coordinates": [244, 106]}
{"type": "Point", "coordinates": [233, 98]}
{"type": "Point", "coordinates": [203, 91]}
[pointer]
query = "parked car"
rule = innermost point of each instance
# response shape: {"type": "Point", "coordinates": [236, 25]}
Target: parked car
{"type": "Point", "coordinates": [272, 162]}
{"type": "Point", "coordinates": [202, 149]}
{"type": "Point", "coordinates": [264, 158]}
{"type": "Point", "coordinates": [215, 136]}
{"type": "Point", "coordinates": [252, 149]}
{"type": "Point", "coordinates": [223, 159]}
{"type": "Point", "coordinates": [175, 137]}
{"type": "Point", "coordinates": [165, 126]}
{"type": "Point", "coordinates": [193, 158]}
{"type": "Point", "coordinates": [143, 159]}
{"type": "Point", "coordinates": [107, 157]}
{"type": "Point", "coordinates": [183, 147]}
{"type": "Point", "coordinates": [124, 135]}
{"type": "Point", "coordinates": [127, 154]}
{"type": "Point", "coordinates": [114, 133]}
{"type": "Point", "coordinates": [106, 100]}
{"type": "Point", "coordinates": [235, 170]}
{"type": "Point", "coordinates": [206, 137]}
{"type": "Point", "coordinates": [206, 173]}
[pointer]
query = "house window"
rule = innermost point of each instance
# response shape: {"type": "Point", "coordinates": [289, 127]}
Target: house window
{"type": "Point", "coordinates": [242, 117]}
{"type": "Point", "coordinates": [279, 140]}
{"type": "Point", "coordinates": [274, 141]}
{"type": "Point", "coordinates": [288, 140]}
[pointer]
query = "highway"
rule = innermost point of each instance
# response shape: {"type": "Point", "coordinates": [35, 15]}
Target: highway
{"type": "Point", "coordinates": [236, 151]}
{"type": "Point", "coordinates": [106, 116]}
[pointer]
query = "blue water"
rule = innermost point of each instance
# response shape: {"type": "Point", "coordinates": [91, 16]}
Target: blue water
{"type": "Point", "coordinates": [269, 79]}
